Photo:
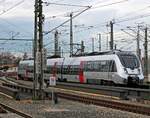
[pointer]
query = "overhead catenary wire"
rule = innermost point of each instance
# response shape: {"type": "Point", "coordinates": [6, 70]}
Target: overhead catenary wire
{"type": "Point", "coordinates": [69, 5]}
{"type": "Point", "coordinates": [5, 11]}
{"type": "Point", "coordinates": [63, 4]}
{"type": "Point", "coordinates": [13, 25]}
{"type": "Point", "coordinates": [59, 0]}
{"type": "Point", "coordinates": [14, 6]}
{"type": "Point", "coordinates": [89, 7]}
{"type": "Point", "coordinates": [134, 12]}
{"type": "Point", "coordinates": [67, 21]}
{"type": "Point", "coordinates": [120, 22]}
{"type": "Point", "coordinates": [109, 4]}
{"type": "Point", "coordinates": [63, 14]}
{"type": "Point", "coordinates": [117, 21]}
{"type": "Point", "coordinates": [132, 18]}
{"type": "Point", "coordinates": [99, 2]}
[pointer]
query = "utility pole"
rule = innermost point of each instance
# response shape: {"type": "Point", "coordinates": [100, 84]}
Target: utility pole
{"type": "Point", "coordinates": [146, 56]}
{"type": "Point", "coordinates": [115, 46]}
{"type": "Point", "coordinates": [34, 50]}
{"type": "Point", "coordinates": [111, 35]}
{"type": "Point", "coordinates": [71, 35]}
{"type": "Point", "coordinates": [40, 41]}
{"type": "Point", "coordinates": [99, 36]}
{"type": "Point", "coordinates": [107, 42]}
{"type": "Point", "coordinates": [59, 51]}
{"type": "Point", "coordinates": [62, 53]}
{"type": "Point", "coordinates": [39, 47]}
{"type": "Point", "coordinates": [138, 43]}
{"type": "Point", "coordinates": [56, 43]}
{"type": "Point", "coordinates": [92, 44]}
{"type": "Point", "coordinates": [82, 47]}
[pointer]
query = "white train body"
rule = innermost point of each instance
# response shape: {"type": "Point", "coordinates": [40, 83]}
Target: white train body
{"type": "Point", "coordinates": [115, 67]}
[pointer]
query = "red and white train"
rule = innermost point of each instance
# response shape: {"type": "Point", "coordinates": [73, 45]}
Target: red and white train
{"type": "Point", "coordinates": [118, 67]}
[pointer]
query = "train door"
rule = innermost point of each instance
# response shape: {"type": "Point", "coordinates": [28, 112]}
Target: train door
{"type": "Point", "coordinates": [81, 72]}
{"type": "Point", "coordinates": [110, 63]}
{"type": "Point", "coordinates": [54, 70]}
{"type": "Point", "coordinates": [104, 69]}
{"type": "Point", "coordinates": [62, 71]}
{"type": "Point", "coordinates": [26, 72]}
{"type": "Point", "coordinates": [111, 71]}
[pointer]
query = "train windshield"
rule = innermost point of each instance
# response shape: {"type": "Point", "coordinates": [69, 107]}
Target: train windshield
{"type": "Point", "coordinates": [129, 61]}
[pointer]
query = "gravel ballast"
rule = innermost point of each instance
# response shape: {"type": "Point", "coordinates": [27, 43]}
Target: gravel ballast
{"type": "Point", "coordinates": [66, 109]}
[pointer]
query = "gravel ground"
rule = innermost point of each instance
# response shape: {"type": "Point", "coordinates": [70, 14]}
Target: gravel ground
{"type": "Point", "coordinates": [10, 115]}
{"type": "Point", "coordinates": [66, 109]}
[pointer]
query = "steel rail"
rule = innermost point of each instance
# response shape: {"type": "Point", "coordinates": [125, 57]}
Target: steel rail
{"type": "Point", "coordinates": [20, 113]}
{"type": "Point", "coordinates": [122, 92]}
{"type": "Point", "coordinates": [121, 105]}
{"type": "Point", "coordinates": [140, 109]}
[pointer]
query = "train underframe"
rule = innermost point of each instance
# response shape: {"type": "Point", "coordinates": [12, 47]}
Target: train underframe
{"type": "Point", "coordinates": [133, 81]}
{"type": "Point", "coordinates": [130, 81]}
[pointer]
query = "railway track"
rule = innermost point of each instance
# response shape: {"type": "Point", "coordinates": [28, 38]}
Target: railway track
{"type": "Point", "coordinates": [115, 104]}
{"type": "Point", "coordinates": [120, 92]}
{"type": "Point", "coordinates": [2, 110]}
{"type": "Point", "coordinates": [6, 108]}
{"type": "Point", "coordinates": [108, 103]}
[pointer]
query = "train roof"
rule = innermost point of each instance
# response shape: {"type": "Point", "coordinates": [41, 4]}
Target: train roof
{"type": "Point", "coordinates": [103, 53]}
{"type": "Point", "coordinates": [86, 57]}
{"type": "Point", "coordinates": [29, 62]}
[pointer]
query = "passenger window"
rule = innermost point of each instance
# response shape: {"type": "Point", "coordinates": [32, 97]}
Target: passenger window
{"type": "Point", "coordinates": [96, 66]}
{"type": "Point", "coordinates": [89, 66]}
{"type": "Point", "coordinates": [104, 66]}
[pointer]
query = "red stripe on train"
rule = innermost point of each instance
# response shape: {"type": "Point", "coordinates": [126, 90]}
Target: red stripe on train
{"type": "Point", "coordinates": [81, 74]}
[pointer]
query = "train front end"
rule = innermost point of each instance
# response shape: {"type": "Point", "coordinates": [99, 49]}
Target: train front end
{"type": "Point", "coordinates": [131, 69]}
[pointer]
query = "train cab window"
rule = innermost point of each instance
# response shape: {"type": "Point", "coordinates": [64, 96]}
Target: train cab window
{"type": "Point", "coordinates": [113, 67]}
{"type": "Point", "coordinates": [129, 61]}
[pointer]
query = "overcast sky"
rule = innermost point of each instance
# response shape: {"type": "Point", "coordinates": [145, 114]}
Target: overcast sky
{"type": "Point", "coordinates": [17, 16]}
